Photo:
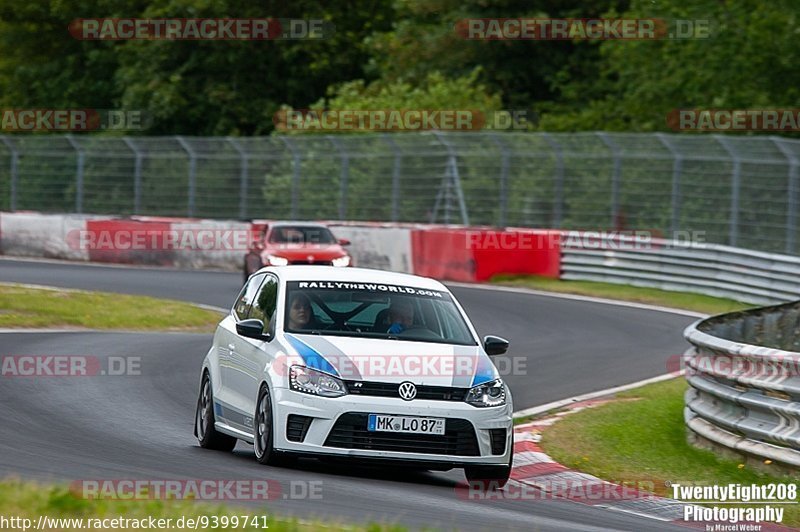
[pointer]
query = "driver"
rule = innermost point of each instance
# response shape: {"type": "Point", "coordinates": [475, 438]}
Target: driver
{"type": "Point", "coordinates": [300, 312]}
{"type": "Point", "coordinates": [401, 315]}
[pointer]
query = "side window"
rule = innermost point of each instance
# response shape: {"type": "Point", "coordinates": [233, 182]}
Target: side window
{"type": "Point", "coordinates": [265, 303]}
{"type": "Point", "coordinates": [242, 305]}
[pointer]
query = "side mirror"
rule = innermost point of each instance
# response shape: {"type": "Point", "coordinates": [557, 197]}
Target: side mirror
{"type": "Point", "coordinates": [344, 242]}
{"type": "Point", "coordinates": [252, 329]}
{"type": "Point", "coordinates": [493, 345]}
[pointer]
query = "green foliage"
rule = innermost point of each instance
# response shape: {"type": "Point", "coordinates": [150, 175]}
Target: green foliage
{"type": "Point", "coordinates": [33, 307]}
{"type": "Point", "coordinates": [434, 91]}
{"type": "Point", "coordinates": [401, 53]}
{"type": "Point", "coordinates": [643, 438]}
{"type": "Point", "coordinates": [746, 62]}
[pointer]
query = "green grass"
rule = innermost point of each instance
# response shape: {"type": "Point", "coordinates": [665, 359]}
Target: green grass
{"type": "Point", "coordinates": [30, 500]}
{"type": "Point", "coordinates": [23, 307]}
{"type": "Point", "coordinates": [653, 296]}
{"type": "Point", "coordinates": [643, 439]}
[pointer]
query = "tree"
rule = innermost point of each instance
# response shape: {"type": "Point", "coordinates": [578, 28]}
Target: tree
{"type": "Point", "coordinates": [748, 61]}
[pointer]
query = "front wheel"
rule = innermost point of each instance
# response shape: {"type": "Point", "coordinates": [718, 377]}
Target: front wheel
{"type": "Point", "coordinates": [489, 477]}
{"type": "Point", "coordinates": [207, 435]}
{"type": "Point", "coordinates": [264, 430]}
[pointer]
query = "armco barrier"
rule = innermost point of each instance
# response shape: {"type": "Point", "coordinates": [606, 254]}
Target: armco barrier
{"type": "Point", "coordinates": [744, 375]}
{"type": "Point", "coordinates": [744, 275]}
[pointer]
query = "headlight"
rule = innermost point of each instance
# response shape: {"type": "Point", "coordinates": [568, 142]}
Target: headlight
{"type": "Point", "coordinates": [487, 394]}
{"type": "Point", "coordinates": [341, 262]}
{"type": "Point", "coordinates": [307, 380]}
{"type": "Point", "coordinates": [273, 260]}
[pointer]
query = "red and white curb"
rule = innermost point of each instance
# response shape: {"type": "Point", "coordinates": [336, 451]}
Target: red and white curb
{"type": "Point", "coordinates": [533, 468]}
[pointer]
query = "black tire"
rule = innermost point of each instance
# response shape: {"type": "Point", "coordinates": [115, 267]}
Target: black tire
{"type": "Point", "coordinates": [204, 429]}
{"type": "Point", "coordinates": [489, 477]}
{"type": "Point", "coordinates": [263, 431]}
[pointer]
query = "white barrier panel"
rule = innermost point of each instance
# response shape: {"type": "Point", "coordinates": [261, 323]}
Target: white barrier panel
{"type": "Point", "coordinates": [42, 235]}
{"type": "Point", "coordinates": [381, 248]}
{"type": "Point", "coordinates": [212, 244]}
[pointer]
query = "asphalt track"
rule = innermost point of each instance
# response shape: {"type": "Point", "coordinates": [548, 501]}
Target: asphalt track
{"type": "Point", "coordinates": [140, 426]}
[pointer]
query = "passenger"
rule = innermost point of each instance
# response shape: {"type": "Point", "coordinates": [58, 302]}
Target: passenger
{"type": "Point", "coordinates": [401, 315]}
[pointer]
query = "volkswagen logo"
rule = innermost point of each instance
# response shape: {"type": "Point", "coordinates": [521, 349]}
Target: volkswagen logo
{"type": "Point", "coordinates": [407, 391]}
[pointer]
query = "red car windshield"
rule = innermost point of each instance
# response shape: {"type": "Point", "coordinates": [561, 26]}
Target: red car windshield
{"type": "Point", "coordinates": [301, 235]}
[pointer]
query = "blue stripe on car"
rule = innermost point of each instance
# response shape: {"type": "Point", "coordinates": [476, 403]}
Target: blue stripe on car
{"type": "Point", "coordinates": [484, 372]}
{"type": "Point", "coordinates": [311, 358]}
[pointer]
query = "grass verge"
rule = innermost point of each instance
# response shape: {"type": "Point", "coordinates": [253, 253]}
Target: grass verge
{"type": "Point", "coordinates": [28, 500]}
{"type": "Point", "coordinates": [653, 296]}
{"type": "Point", "coordinates": [644, 440]}
{"type": "Point", "coordinates": [39, 307]}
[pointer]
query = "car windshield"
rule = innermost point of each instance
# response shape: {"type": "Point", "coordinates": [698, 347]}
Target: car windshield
{"type": "Point", "coordinates": [286, 234]}
{"type": "Point", "coordinates": [372, 310]}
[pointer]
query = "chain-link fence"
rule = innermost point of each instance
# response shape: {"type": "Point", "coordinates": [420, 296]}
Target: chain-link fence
{"type": "Point", "coordinates": [738, 190]}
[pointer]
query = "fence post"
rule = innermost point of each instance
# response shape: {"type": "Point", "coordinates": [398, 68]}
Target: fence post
{"type": "Point", "coordinates": [504, 165]}
{"type": "Point", "coordinates": [792, 188]}
{"type": "Point", "coordinates": [78, 173]}
{"type": "Point", "coordinates": [12, 200]}
{"type": "Point", "coordinates": [344, 176]}
{"type": "Point", "coordinates": [558, 207]}
{"type": "Point", "coordinates": [243, 175]}
{"type": "Point", "coordinates": [615, 178]}
{"type": "Point", "coordinates": [736, 178]}
{"type": "Point", "coordinates": [396, 166]}
{"type": "Point", "coordinates": [677, 170]}
{"type": "Point", "coordinates": [451, 180]}
{"type": "Point", "coordinates": [192, 175]}
{"type": "Point", "coordinates": [137, 175]}
{"type": "Point", "coordinates": [295, 176]}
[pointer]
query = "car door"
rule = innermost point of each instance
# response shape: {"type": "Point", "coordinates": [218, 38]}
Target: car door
{"type": "Point", "coordinates": [254, 354]}
{"type": "Point", "coordinates": [229, 349]}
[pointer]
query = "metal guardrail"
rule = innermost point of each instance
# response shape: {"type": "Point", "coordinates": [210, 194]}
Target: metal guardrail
{"type": "Point", "coordinates": [716, 270]}
{"type": "Point", "coordinates": [743, 372]}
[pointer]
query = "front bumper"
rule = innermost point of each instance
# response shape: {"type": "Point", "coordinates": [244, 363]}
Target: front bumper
{"type": "Point", "coordinates": [326, 411]}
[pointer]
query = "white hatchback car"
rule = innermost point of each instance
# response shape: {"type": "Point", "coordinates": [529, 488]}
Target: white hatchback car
{"type": "Point", "coordinates": [349, 362]}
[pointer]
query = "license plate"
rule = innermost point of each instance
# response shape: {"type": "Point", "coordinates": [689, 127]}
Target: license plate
{"type": "Point", "coordinates": [414, 425]}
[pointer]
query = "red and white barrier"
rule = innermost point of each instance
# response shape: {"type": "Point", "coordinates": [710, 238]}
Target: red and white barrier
{"type": "Point", "coordinates": [442, 252]}
{"type": "Point", "coordinates": [30, 234]}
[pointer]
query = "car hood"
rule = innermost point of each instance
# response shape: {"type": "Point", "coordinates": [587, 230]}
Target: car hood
{"type": "Point", "coordinates": [394, 361]}
{"type": "Point", "coordinates": [320, 252]}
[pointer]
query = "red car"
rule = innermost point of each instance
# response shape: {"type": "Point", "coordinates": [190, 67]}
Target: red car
{"type": "Point", "coordinates": [284, 243]}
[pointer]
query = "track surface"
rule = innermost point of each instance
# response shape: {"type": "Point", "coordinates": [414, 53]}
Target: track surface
{"type": "Point", "coordinates": [139, 426]}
